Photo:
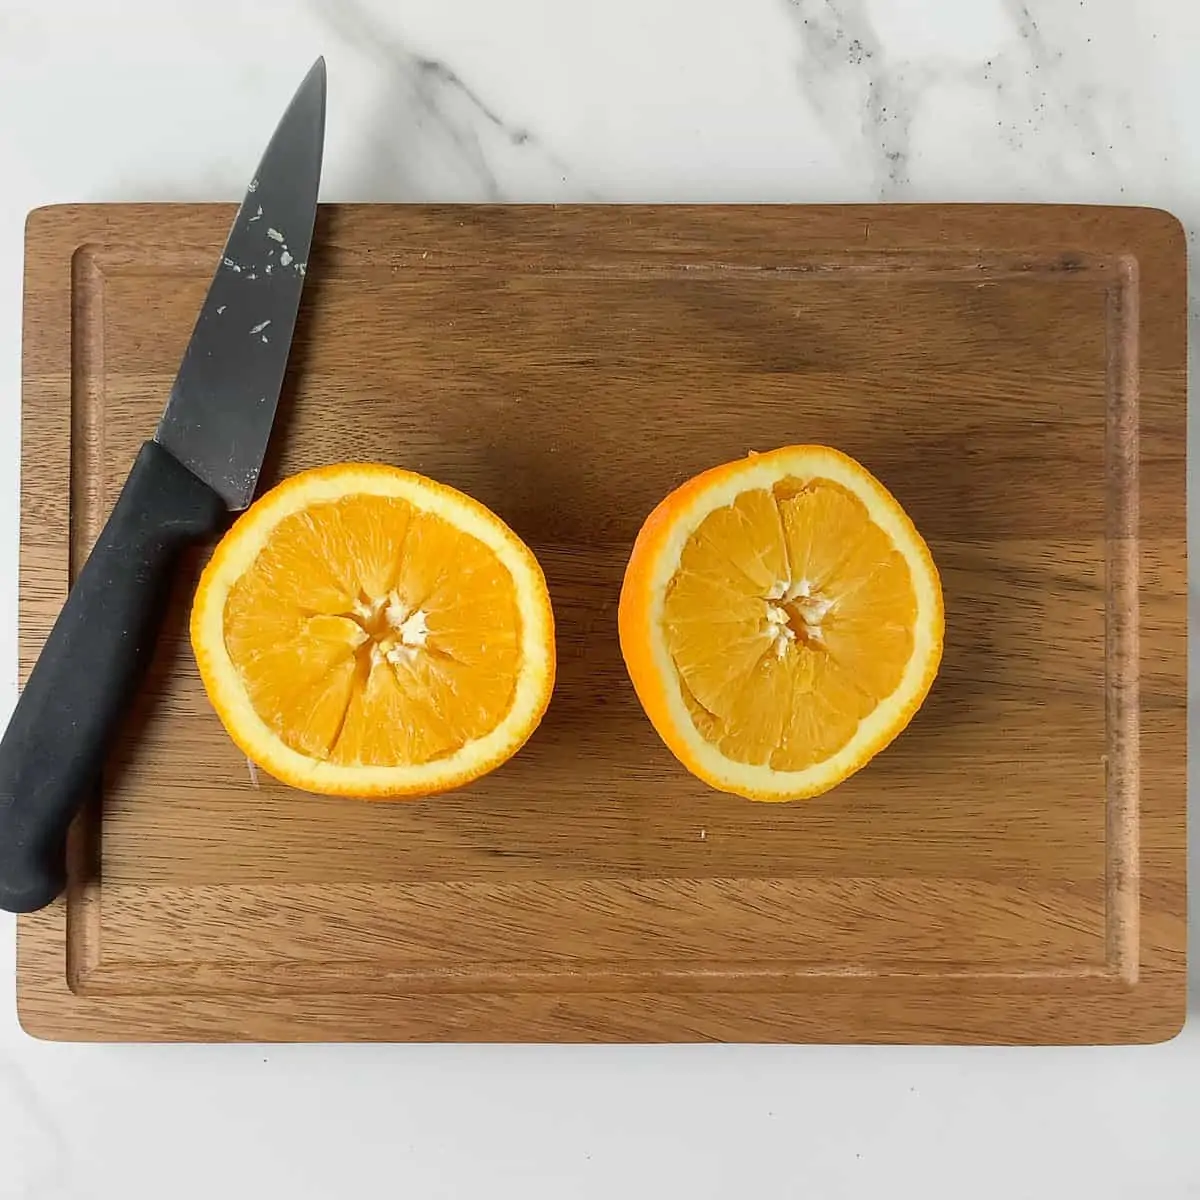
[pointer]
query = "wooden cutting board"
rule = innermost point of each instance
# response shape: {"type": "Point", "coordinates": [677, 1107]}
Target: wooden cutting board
{"type": "Point", "coordinates": [1011, 869]}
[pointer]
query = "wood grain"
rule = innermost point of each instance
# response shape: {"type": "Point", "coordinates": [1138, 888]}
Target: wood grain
{"type": "Point", "coordinates": [1011, 869]}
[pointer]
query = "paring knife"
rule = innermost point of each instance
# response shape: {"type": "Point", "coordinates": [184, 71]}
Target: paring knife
{"type": "Point", "coordinates": [202, 464]}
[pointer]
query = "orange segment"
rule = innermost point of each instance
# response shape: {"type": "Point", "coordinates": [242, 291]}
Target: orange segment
{"type": "Point", "coordinates": [781, 620]}
{"type": "Point", "coordinates": [366, 630]}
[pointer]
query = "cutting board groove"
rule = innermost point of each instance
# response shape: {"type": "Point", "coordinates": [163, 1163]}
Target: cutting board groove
{"type": "Point", "coordinates": [1011, 869]}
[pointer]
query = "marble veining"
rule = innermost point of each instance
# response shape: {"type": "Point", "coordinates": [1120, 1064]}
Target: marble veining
{"type": "Point", "coordinates": [863, 100]}
{"type": "Point", "coordinates": [867, 98]}
{"type": "Point", "coordinates": [429, 121]}
{"type": "Point", "coordinates": [1023, 104]}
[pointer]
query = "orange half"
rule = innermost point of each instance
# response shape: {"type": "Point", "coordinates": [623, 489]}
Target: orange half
{"type": "Point", "coordinates": [363, 630]}
{"type": "Point", "coordinates": [781, 620]}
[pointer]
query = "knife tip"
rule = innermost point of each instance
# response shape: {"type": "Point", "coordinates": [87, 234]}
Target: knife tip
{"type": "Point", "coordinates": [315, 82]}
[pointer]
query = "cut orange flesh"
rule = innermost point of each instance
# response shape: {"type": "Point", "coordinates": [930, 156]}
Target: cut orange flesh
{"type": "Point", "coordinates": [781, 620]}
{"type": "Point", "coordinates": [364, 630]}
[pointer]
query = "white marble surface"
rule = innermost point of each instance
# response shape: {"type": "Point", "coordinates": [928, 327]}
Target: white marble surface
{"type": "Point", "coordinates": [1087, 100]}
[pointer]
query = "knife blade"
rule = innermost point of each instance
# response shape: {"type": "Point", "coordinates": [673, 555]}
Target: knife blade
{"type": "Point", "coordinates": [202, 463]}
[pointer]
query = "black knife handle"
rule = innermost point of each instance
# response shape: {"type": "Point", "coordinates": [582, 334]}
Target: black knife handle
{"type": "Point", "coordinates": [53, 751]}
